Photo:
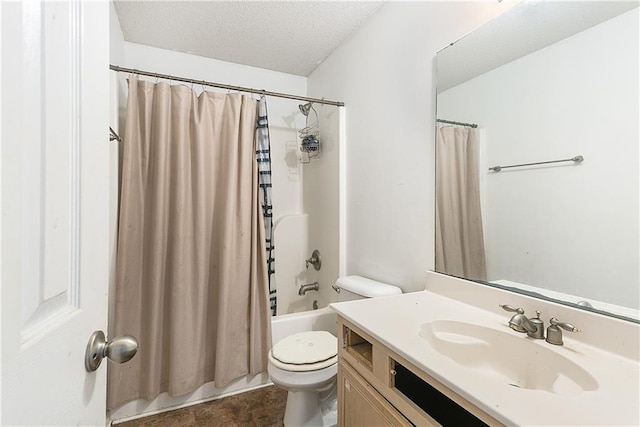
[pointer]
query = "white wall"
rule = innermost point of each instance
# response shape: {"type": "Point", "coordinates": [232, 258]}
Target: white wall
{"type": "Point", "coordinates": [385, 76]}
{"type": "Point", "coordinates": [572, 229]}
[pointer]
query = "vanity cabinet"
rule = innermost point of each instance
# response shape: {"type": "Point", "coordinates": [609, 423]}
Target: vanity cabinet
{"type": "Point", "coordinates": [378, 387]}
{"type": "Point", "coordinates": [361, 405]}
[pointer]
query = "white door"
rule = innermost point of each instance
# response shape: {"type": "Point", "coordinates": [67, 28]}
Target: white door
{"type": "Point", "coordinates": [54, 181]}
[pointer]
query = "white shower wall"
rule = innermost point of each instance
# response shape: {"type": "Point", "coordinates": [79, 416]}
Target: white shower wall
{"type": "Point", "coordinates": [322, 200]}
{"type": "Point", "coordinates": [318, 226]}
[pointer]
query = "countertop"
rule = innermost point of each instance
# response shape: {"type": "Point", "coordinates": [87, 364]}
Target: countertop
{"type": "Point", "coordinates": [396, 321]}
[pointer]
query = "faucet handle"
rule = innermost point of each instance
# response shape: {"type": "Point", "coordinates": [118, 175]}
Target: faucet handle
{"type": "Point", "coordinates": [554, 334]}
{"type": "Point", "coordinates": [315, 260]}
{"type": "Point", "coordinates": [512, 309]}
{"type": "Point", "coordinates": [566, 326]}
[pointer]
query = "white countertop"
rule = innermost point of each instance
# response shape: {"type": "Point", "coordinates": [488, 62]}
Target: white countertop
{"type": "Point", "coordinates": [396, 320]}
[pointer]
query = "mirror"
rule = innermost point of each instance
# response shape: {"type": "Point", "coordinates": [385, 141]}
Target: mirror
{"type": "Point", "coordinates": [545, 81]}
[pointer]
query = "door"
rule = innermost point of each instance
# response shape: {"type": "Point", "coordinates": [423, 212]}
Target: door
{"type": "Point", "coordinates": [55, 201]}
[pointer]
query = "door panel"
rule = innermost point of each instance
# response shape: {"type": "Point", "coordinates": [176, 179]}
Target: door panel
{"type": "Point", "coordinates": [54, 159]}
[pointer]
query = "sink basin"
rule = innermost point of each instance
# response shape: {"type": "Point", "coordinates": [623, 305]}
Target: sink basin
{"type": "Point", "coordinates": [504, 356]}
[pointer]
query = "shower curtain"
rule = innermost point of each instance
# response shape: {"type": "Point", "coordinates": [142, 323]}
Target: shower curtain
{"type": "Point", "coordinates": [263, 157]}
{"type": "Point", "coordinates": [191, 268]}
{"type": "Point", "coordinates": [459, 234]}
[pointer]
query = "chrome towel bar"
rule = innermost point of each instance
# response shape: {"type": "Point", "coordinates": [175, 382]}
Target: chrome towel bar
{"type": "Point", "coordinates": [576, 159]}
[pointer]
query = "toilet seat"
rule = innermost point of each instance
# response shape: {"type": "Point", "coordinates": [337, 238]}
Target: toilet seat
{"type": "Point", "coordinates": [305, 351]}
{"type": "Point", "coordinates": [303, 367]}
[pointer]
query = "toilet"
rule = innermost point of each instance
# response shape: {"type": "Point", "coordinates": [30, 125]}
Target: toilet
{"type": "Point", "coordinates": [306, 363]}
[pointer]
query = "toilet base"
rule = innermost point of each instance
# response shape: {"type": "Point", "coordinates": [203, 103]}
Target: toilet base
{"type": "Point", "coordinates": [303, 408]}
{"type": "Point", "coordinates": [311, 395]}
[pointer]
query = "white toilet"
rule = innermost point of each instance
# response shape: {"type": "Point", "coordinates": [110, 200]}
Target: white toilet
{"type": "Point", "coordinates": [306, 364]}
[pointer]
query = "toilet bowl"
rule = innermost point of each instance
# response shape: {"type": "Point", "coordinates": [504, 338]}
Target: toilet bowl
{"type": "Point", "coordinates": [306, 364]}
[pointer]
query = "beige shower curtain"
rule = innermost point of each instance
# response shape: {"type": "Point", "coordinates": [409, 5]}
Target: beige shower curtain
{"type": "Point", "coordinates": [191, 264]}
{"type": "Point", "coordinates": [459, 235]}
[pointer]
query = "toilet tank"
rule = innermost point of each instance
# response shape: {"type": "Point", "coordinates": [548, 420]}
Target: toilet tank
{"type": "Point", "coordinates": [358, 287]}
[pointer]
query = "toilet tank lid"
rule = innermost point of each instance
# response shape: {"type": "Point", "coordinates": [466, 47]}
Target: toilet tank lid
{"type": "Point", "coordinates": [366, 287]}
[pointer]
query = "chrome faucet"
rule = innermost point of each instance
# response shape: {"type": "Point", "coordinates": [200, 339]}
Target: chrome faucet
{"type": "Point", "coordinates": [306, 288]}
{"type": "Point", "coordinates": [520, 323]}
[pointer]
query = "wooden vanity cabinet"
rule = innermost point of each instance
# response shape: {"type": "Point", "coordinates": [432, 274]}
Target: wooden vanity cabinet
{"type": "Point", "coordinates": [368, 396]}
{"type": "Point", "coordinates": [361, 405]}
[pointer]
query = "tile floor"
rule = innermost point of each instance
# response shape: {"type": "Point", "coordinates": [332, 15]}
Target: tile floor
{"type": "Point", "coordinates": [263, 407]}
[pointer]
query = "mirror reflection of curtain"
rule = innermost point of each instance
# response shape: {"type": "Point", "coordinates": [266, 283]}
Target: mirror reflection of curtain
{"type": "Point", "coordinates": [191, 274]}
{"type": "Point", "coordinates": [459, 235]}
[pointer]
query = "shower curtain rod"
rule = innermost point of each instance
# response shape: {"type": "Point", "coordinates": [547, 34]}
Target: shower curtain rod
{"type": "Point", "coordinates": [449, 122]}
{"type": "Point", "coordinates": [224, 86]}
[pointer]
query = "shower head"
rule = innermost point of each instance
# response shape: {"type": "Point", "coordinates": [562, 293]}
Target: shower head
{"type": "Point", "coordinates": [305, 108]}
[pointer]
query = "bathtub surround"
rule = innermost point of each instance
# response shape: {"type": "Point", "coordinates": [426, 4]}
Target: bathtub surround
{"type": "Point", "coordinates": [459, 237]}
{"type": "Point", "coordinates": [191, 264]}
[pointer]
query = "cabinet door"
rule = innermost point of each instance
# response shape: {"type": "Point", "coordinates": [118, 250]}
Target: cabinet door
{"type": "Point", "coordinates": [360, 405]}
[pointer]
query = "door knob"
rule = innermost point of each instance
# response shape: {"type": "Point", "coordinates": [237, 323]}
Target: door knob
{"type": "Point", "coordinates": [119, 350]}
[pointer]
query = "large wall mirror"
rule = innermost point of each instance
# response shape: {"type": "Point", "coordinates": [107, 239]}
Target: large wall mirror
{"type": "Point", "coordinates": [545, 81]}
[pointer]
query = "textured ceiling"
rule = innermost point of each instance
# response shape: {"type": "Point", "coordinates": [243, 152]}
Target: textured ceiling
{"type": "Point", "coordinates": [288, 36]}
